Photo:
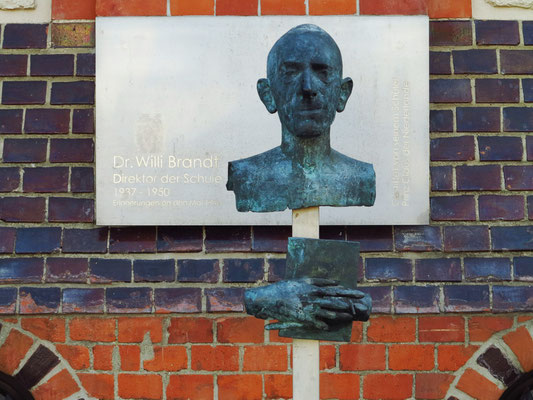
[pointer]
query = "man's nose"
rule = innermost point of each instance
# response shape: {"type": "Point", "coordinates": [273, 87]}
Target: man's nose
{"type": "Point", "coordinates": [308, 87]}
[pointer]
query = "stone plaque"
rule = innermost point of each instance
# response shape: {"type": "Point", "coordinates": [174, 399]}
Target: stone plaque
{"type": "Point", "coordinates": [176, 100]}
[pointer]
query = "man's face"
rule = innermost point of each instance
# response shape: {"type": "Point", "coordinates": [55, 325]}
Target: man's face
{"type": "Point", "coordinates": [306, 83]}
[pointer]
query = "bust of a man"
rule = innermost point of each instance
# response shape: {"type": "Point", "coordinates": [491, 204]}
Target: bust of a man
{"type": "Point", "coordinates": [304, 85]}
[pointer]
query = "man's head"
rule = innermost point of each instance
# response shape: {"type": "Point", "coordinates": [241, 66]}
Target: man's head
{"type": "Point", "coordinates": [304, 83]}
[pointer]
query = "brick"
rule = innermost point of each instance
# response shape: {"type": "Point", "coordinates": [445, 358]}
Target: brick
{"type": "Point", "coordinates": [441, 329]}
{"type": "Point", "coordinates": [179, 239]}
{"type": "Point", "coordinates": [227, 239]}
{"type": "Point", "coordinates": [388, 269]}
{"type": "Point", "coordinates": [411, 357]}
{"type": "Point", "coordinates": [80, 92]}
{"type": "Point", "coordinates": [451, 357]}
{"type": "Point", "coordinates": [240, 330]}
{"type": "Point", "coordinates": [178, 300]}
{"type": "Point", "coordinates": [497, 91]}
{"type": "Point", "coordinates": [481, 328]}
{"type": "Point", "coordinates": [7, 240]}
{"type": "Point", "coordinates": [83, 300]}
{"type": "Point", "coordinates": [332, 7]}
{"type": "Point", "coordinates": [239, 387]}
{"type": "Point", "coordinates": [327, 359]}
{"type": "Point", "coordinates": [445, 9]}
{"type": "Point", "coordinates": [450, 33]}
{"type": "Point", "coordinates": [247, 270]}
{"type": "Point", "coordinates": [199, 7]}
{"type": "Point", "coordinates": [530, 207]}
{"type": "Point", "coordinates": [132, 240]}
{"type": "Point", "coordinates": [339, 386]}
{"type": "Point", "coordinates": [130, 8]}
{"type": "Point", "coordinates": [65, 9]}
{"type": "Point", "coordinates": [276, 269]}
{"type": "Point", "coordinates": [208, 358]}
{"type": "Point", "coordinates": [63, 209]}
{"type": "Point", "coordinates": [331, 232]}
{"type": "Point", "coordinates": [529, 148]}
{"type": "Point", "coordinates": [24, 92]}
{"type": "Point", "coordinates": [441, 178]}
{"type": "Point", "coordinates": [71, 150]}
{"type": "Point", "coordinates": [512, 237]}
{"type": "Point", "coordinates": [371, 238]}
{"type": "Point", "coordinates": [466, 298]}
{"type": "Point", "coordinates": [477, 386]}
{"type": "Point", "coordinates": [225, 299]}
{"type": "Point", "coordinates": [265, 358]}
{"type": "Point", "coordinates": [487, 269]}
{"type": "Point", "coordinates": [362, 357]}
{"type": "Point", "coordinates": [10, 121]}
{"type": "Point", "coordinates": [190, 330]}
{"type": "Point", "coordinates": [278, 386]}
{"type": "Point", "coordinates": [483, 177]}
{"type": "Point", "coordinates": [432, 386]}
{"type": "Point", "coordinates": [395, 7]}
{"type": "Point", "coordinates": [13, 351]}
{"type": "Point", "coordinates": [9, 179]}
{"type": "Point", "coordinates": [450, 91]}
{"type": "Point", "coordinates": [100, 386]}
{"type": "Point", "coordinates": [85, 65]}
{"type": "Point", "coordinates": [13, 64]}
{"type": "Point", "coordinates": [38, 240]}
{"type": "Point", "coordinates": [438, 270]}
{"type": "Point", "coordinates": [135, 386]}
{"type": "Point", "coordinates": [52, 65]}
{"type": "Point", "coordinates": [518, 177]}
{"type": "Point", "coordinates": [527, 27]}
{"type": "Point", "coordinates": [190, 387]}
{"type": "Point", "coordinates": [466, 238]}
{"type": "Point", "coordinates": [416, 299]}
{"type": "Point", "coordinates": [475, 61]}
{"type": "Point", "coordinates": [47, 120]}
{"type": "Point", "coordinates": [497, 32]}
{"type": "Point", "coordinates": [8, 300]}
{"type": "Point", "coordinates": [516, 61]}
{"type": "Point", "coordinates": [130, 358]}
{"type": "Point", "coordinates": [82, 180]}
{"type": "Point", "coordinates": [388, 329]}
{"type": "Point", "coordinates": [45, 179]}
{"type": "Point", "coordinates": [478, 119]}
{"type": "Point", "coordinates": [103, 357]}
{"type": "Point", "coordinates": [236, 7]}
{"type": "Point", "coordinates": [273, 239]}
{"type": "Point", "coordinates": [129, 300]}
{"type": "Point", "coordinates": [441, 120]}
{"type": "Point", "coordinates": [198, 271]}
{"type": "Point", "coordinates": [61, 385]}
{"type": "Point", "coordinates": [522, 268]}
{"type": "Point", "coordinates": [39, 300]}
{"type": "Point", "coordinates": [512, 299]}
{"type": "Point", "coordinates": [291, 7]}
{"type": "Point", "coordinates": [25, 150]}
{"type": "Point", "coordinates": [50, 329]}
{"type": "Point", "coordinates": [22, 209]}
{"type": "Point", "coordinates": [83, 121]}
{"type": "Point", "coordinates": [461, 148]}
{"type": "Point", "coordinates": [504, 148]}
{"type": "Point", "coordinates": [440, 63]}
{"type": "Point", "coordinates": [85, 240]}
{"type": "Point", "coordinates": [79, 34]}
{"type": "Point", "coordinates": [517, 119]}
{"type": "Point", "coordinates": [77, 356]}
{"type": "Point", "coordinates": [25, 36]}
{"type": "Point", "coordinates": [21, 270]}
{"type": "Point", "coordinates": [168, 358]}
{"type": "Point", "coordinates": [92, 329]}
{"type": "Point", "coordinates": [387, 386]}
{"type": "Point", "coordinates": [519, 340]}
{"type": "Point", "coordinates": [153, 270]}
{"type": "Point", "coordinates": [498, 365]}
{"type": "Point", "coordinates": [527, 88]}
{"type": "Point", "coordinates": [381, 296]}
{"type": "Point", "coordinates": [501, 208]}
{"type": "Point", "coordinates": [413, 238]}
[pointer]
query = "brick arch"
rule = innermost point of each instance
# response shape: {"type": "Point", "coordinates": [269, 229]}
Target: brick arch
{"type": "Point", "coordinates": [38, 365]}
{"type": "Point", "coordinates": [495, 366]}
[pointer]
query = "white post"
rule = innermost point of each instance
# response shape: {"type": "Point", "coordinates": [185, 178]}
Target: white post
{"type": "Point", "coordinates": [305, 353]}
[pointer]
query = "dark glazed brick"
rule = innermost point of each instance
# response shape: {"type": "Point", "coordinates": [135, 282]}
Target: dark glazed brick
{"type": "Point", "coordinates": [276, 269]}
{"type": "Point", "coordinates": [83, 121]}
{"type": "Point", "coordinates": [82, 180]}
{"type": "Point", "coordinates": [129, 300]}
{"type": "Point", "coordinates": [475, 62]}
{"type": "Point", "coordinates": [8, 300]}
{"type": "Point", "coordinates": [25, 36]}
{"type": "Point", "coordinates": [466, 238]}
{"type": "Point", "coordinates": [81, 92]}
{"type": "Point", "coordinates": [478, 119]}
{"type": "Point", "coordinates": [10, 121]}
{"type": "Point", "coordinates": [25, 150]}
{"type": "Point", "coordinates": [45, 179]}
{"type": "Point", "coordinates": [516, 61]}
{"type": "Point", "coordinates": [441, 178]}
{"type": "Point", "coordinates": [9, 179]}
{"type": "Point", "coordinates": [179, 239]}
{"type": "Point", "coordinates": [85, 65]}
{"type": "Point", "coordinates": [24, 92]}
{"type": "Point", "coordinates": [497, 91]}
{"type": "Point", "coordinates": [178, 300]}
{"type": "Point", "coordinates": [331, 232]}
{"type": "Point", "coordinates": [64, 209]}
{"type": "Point", "coordinates": [52, 65]}
{"type": "Point", "coordinates": [71, 150]}
{"type": "Point", "coordinates": [453, 208]}
{"type": "Point", "coordinates": [38, 240]}
{"type": "Point", "coordinates": [518, 177]}
{"type": "Point", "coordinates": [518, 119]}
{"type": "Point", "coordinates": [389, 269]}
{"type": "Point", "coordinates": [493, 148]}
{"type": "Point", "coordinates": [512, 237]}
{"type": "Point", "coordinates": [271, 239]}
{"type": "Point", "coordinates": [512, 298]}
{"type": "Point", "coordinates": [523, 270]}
{"type": "Point", "coordinates": [487, 269]}
{"type": "Point", "coordinates": [497, 32]}
{"type": "Point", "coordinates": [461, 148]}
{"type": "Point", "coordinates": [109, 270]}
{"type": "Point", "coordinates": [227, 238]}
{"type": "Point", "coordinates": [463, 298]}
{"type": "Point", "coordinates": [450, 33]}
{"type": "Point", "coordinates": [132, 240]}
{"type": "Point", "coordinates": [416, 299]}
{"type": "Point", "coordinates": [13, 64]}
{"type": "Point", "coordinates": [85, 240]}
{"type": "Point", "coordinates": [381, 298]}
{"type": "Point", "coordinates": [501, 208]}
{"type": "Point", "coordinates": [66, 270]}
{"type": "Point", "coordinates": [225, 300]}
{"type": "Point", "coordinates": [22, 209]}
{"type": "Point", "coordinates": [498, 365]}
{"type": "Point", "coordinates": [527, 28]}
{"type": "Point", "coordinates": [7, 240]}
{"type": "Point", "coordinates": [44, 120]}
{"type": "Point", "coordinates": [450, 91]}
{"type": "Point", "coordinates": [484, 177]}
{"type": "Point", "coordinates": [39, 300]}
{"type": "Point", "coordinates": [248, 270]}
{"type": "Point", "coordinates": [438, 270]}
{"type": "Point", "coordinates": [21, 270]}
{"type": "Point", "coordinates": [371, 238]}
{"type": "Point", "coordinates": [198, 271]}
{"type": "Point", "coordinates": [82, 300]}
{"type": "Point", "coordinates": [41, 362]}
{"type": "Point", "coordinates": [439, 63]}
{"type": "Point", "coordinates": [530, 207]}
{"type": "Point", "coordinates": [527, 87]}
{"type": "Point", "coordinates": [417, 238]}
{"type": "Point", "coordinates": [154, 270]}
{"type": "Point", "coordinates": [441, 120]}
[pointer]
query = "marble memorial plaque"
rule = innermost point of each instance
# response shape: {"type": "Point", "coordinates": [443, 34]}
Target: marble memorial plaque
{"type": "Point", "coordinates": [176, 100]}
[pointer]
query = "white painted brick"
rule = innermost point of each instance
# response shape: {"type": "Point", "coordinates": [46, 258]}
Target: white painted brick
{"type": "Point", "coordinates": [16, 4]}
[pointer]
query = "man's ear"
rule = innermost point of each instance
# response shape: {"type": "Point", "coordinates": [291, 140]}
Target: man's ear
{"type": "Point", "coordinates": [346, 91]}
{"type": "Point", "coordinates": [265, 94]}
